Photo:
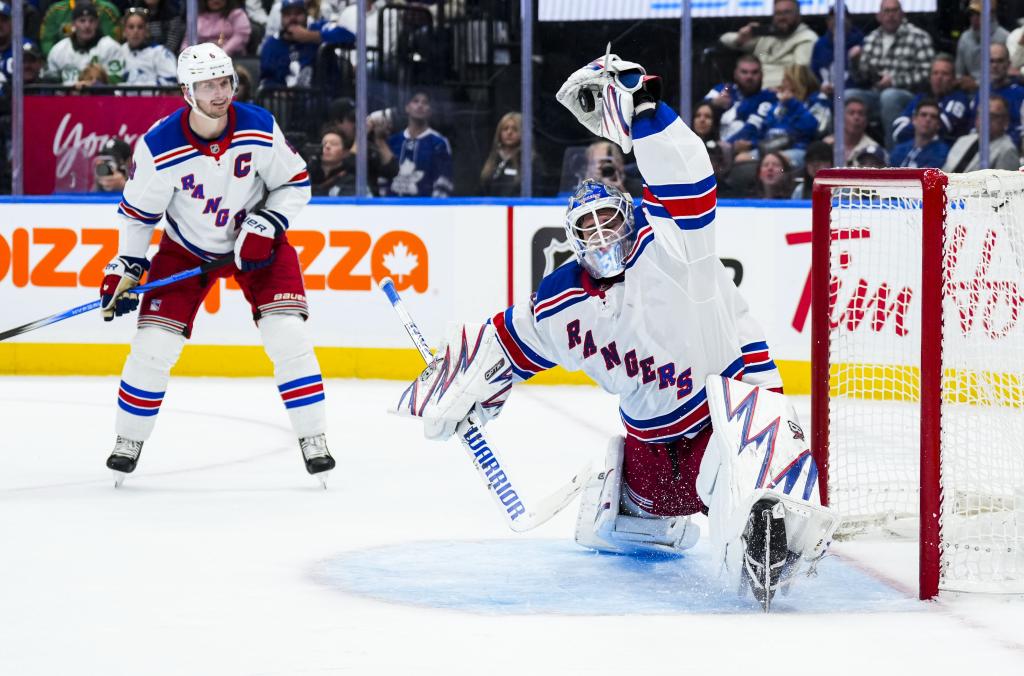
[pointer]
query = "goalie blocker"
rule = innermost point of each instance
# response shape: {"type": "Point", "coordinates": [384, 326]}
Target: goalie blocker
{"type": "Point", "coordinates": [757, 460]}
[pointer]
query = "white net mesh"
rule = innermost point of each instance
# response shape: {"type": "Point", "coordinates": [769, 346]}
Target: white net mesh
{"type": "Point", "coordinates": [874, 356]}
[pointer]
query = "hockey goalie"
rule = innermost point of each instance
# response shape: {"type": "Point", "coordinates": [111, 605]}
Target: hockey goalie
{"type": "Point", "coordinates": [649, 312]}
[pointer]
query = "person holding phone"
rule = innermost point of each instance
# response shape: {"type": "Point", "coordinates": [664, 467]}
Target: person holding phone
{"type": "Point", "coordinates": [786, 40]}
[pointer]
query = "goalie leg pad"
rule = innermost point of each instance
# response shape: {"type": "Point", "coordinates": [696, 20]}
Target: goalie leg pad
{"type": "Point", "coordinates": [758, 451]}
{"type": "Point", "coordinates": [287, 342]}
{"type": "Point", "coordinates": [608, 521]}
{"type": "Point", "coordinates": [144, 381]}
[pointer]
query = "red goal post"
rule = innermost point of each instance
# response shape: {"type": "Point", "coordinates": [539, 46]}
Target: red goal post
{"type": "Point", "coordinates": [918, 364]}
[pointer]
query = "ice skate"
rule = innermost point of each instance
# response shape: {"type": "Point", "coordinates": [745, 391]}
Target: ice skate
{"type": "Point", "coordinates": [124, 458]}
{"type": "Point", "coordinates": [765, 553]}
{"type": "Point", "coordinates": [318, 459]}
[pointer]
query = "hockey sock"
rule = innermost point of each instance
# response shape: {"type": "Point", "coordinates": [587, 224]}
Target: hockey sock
{"type": "Point", "coordinates": [296, 372]}
{"type": "Point", "coordinates": [144, 381]}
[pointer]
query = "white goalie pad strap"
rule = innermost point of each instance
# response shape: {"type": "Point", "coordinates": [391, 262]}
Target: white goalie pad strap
{"type": "Point", "coordinates": [601, 525]}
{"type": "Point", "coordinates": [758, 449]}
{"type": "Point", "coordinates": [470, 372]}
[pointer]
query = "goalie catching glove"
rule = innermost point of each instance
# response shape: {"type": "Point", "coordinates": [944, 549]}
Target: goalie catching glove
{"type": "Point", "coordinates": [119, 277]}
{"type": "Point", "coordinates": [605, 94]}
{"type": "Point", "coordinates": [470, 373]}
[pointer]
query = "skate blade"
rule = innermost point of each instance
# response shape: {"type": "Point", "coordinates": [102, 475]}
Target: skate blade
{"type": "Point", "coordinates": [322, 478]}
{"type": "Point", "coordinates": [119, 478]}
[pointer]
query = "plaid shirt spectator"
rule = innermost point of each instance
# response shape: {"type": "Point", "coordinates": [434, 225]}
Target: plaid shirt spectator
{"type": "Point", "coordinates": [908, 60]}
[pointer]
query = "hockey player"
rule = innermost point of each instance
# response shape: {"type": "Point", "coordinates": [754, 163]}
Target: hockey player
{"type": "Point", "coordinates": [227, 183]}
{"type": "Point", "coordinates": [650, 313]}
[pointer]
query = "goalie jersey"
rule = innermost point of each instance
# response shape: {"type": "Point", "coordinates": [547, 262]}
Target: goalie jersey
{"type": "Point", "coordinates": [204, 189]}
{"type": "Point", "coordinates": [672, 319]}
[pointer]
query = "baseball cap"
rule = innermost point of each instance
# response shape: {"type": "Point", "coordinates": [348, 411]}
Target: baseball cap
{"type": "Point", "coordinates": [5, 8]}
{"type": "Point", "coordinates": [116, 148]}
{"type": "Point", "coordinates": [871, 156]}
{"type": "Point", "coordinates": [976, 6]}
{"type": "Point", "coordinates": [288, 4]}
{"type": "Point", "coordinates": [84, 9]}
{"type": "Point", "coordinates": [32, 49]}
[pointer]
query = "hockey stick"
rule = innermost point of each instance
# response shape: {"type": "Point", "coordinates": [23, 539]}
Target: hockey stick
{"type": "Point", "coordinates": [484, 455]}
{"type": "Point", "coordinates": [53, 319]}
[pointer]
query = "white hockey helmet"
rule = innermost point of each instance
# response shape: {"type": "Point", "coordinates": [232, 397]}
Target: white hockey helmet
{"type": "Point", "coordinates": [201, 62]}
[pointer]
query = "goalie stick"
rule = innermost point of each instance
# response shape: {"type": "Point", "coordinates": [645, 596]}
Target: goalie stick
{"type": "Point", "coordinates": [149, 286]}
{"type": "Point", "coordinates": [520, 515]}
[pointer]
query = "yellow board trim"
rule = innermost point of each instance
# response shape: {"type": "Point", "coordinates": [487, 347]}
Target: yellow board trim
{"type": "Point", "coordinates": [55, 359]}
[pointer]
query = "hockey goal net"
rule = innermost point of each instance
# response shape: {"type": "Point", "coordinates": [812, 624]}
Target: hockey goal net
{"type": "Point", "coordinates": [918, 364]}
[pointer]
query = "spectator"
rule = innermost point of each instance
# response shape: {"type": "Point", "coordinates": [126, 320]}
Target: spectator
{"type": "Point", "coordinates": [743, 103]}
{"type": "Point", "coordinates": [223, 23]}
{"type": "Point", "coordinates": [146, 64]}
{"type": "Point", "coordinates": [708, 126]}
{"type": "Point", "coordinates": [85, 46]}
{"type": "Point", "coordinates": [380, 161]}
{"type": "Point", "coordinates": [59, 18]}
{"type": "Point", "coordinates": [823, 54]}
{"type": "Point", "coordinates": [787, 129]}
{"type": "Point", "coordinates": [870, 157]}
{"type": "Point", "coordinates": [606, 164]}
{"type": "Point", "coordinates": [955, 118]}
{"type": "Point", "coordinates": [5, 37]}
{"type": "Point", "coordinates": [1002, 84]}
{"type": "Point", "coordinates": [1015, 43]}
{"type": "Point", "coordinates": [855, 124]}
{"type": "Point", "coordinates": [806, 89]}
{"type": "Point", "coordinates": [422, 162]}
{"type": "Point", "coordinates": [968, 47]}
{"type": "Point", "coordinates": [895, 60]}
{"type": "Point", "coordinates": [333, 174]}
{"type": "Point", "coordinates": [166, 24]}
{"type": "Point", "coordinates": [926, 149]}
{"type": "Point", "coordinates": [341, 115]}
{"type": "Point", "coordinates": [1002, 151]}
{"type": "Point", "coordinates": [32, 65]}
{"type": "Point", "coordinates": [288, 58]}
{"type": "Point", "coordinates": [110, 166]}
{"type": "Point", "coordinates": [93, 74]}
{"type": "Point", "coordinates": [818, 157]}
{"type": "Point", "coordinates": [244, 90]}
{"type": "Point", "coordinates": [788, 40]}
{"type": "Point", "coordinates": [500, 175]}
{"type": "Point", "coordinates": [774, 179]}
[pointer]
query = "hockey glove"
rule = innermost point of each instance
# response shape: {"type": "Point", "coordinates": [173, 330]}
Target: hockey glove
{"type": "Point", "coordinates": [120, 276]}
{"type": "Point", "coordinates": [605, 94]}
{"type": "Point", "coordinates": [254, 248]}
{"type": "Point", "coordinates": [470, 373]}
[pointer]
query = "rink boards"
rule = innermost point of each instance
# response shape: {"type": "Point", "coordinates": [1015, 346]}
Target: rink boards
{"type": "Point", "coordinates": [450, 259]}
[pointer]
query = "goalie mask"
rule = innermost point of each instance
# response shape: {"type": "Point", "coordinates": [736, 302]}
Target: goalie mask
{"type": "Point", "coordinates": [600, 227]}
{"type": "Point", "coordinates": [200, 63]}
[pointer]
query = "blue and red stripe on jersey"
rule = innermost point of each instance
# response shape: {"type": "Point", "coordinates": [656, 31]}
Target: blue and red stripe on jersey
{"type": "Point", "coordinates": [690, 205]}
{"type": "Point", "coordinates": [556, 304]}
{"type": "Point", "coordinates": [525, 361]}
{"type": "Point", "coordinates": [686, 420]}
{"type": "Point", "coordinates": [252, 137]}
{"type": "Point", "coordinates": [175, 156]}
{"type": "Point", "coordinates": [756, 358]}
{"type": "Point", "coordinates": [643, 238]}
{"type": "Point", "coordinates": [302, 391]}
{"type": "Point", "coordinates": [299, 179]}
{"type": "Point", "coordinates": [139, 402]}
{"type": "Point", "coordinates": [126, 209]}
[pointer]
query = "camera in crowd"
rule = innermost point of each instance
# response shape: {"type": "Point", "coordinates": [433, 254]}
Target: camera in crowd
{"type": "Point", "coordinates": [110, 166]}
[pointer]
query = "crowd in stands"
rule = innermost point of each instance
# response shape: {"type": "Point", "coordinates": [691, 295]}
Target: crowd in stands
{"type": "Point", "coordinates": [768, 129]}
{"type": "Point", "coordinates": [904, 104]}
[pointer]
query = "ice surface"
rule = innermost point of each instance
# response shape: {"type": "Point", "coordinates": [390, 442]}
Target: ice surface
{"type": "Point", "coordinates": [221, 556]}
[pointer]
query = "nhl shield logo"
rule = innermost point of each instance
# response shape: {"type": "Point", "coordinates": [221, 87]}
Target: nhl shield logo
{"type": "Point", "coordinates": [214, 148]}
